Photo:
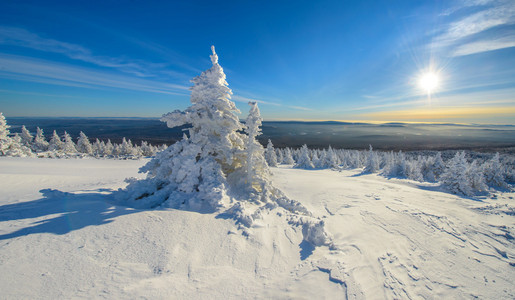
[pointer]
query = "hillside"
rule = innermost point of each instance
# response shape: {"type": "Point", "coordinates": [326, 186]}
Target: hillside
{"type": "Point", "coordinates": [63, 236]}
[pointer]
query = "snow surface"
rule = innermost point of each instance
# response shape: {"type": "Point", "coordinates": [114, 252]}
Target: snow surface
{"type": "Point", "coordinates": [62, 236]}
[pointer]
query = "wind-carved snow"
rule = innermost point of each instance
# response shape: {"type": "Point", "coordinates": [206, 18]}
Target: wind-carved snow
{"type": "Point", "coordinates": [216, 168]}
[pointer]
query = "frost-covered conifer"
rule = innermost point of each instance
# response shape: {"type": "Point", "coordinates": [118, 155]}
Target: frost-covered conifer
{"type": "Point", "coordinates": [476, 177]}
{"type": "Point", "coordinates": [55, 144]}
{"type": "Point", "coordinates": [304, 161]}
{"type": "Point", "coordinates": [108, 150]}
{"type": "Point", "coordinates": [257, 172]}
{"type": "Point", "coordinates": [40, 144]}
{"type": "Point", "coordinates": [69, 145]}
{"type": "Point", "coordinates": [438, 165]}
{"type": "Point", "coordinates": [193, 173]}
{"type": "Point", "coordinates": [279, 155]}
{"type": "Point", "coordinates": [5, 140]}
{"type": "Point", "coordinates": [455, 177]}
{"type": "Point", "coordinates": [17, 149]}
{"type": "Point", "coordinates": [493, 172]}
{"type": "Point", "coordinates": [26, 137]}
{"type": "Point", "coordinates": [126, 148]}
{"type": "Point", "coordinates": [84, 145]}
{"type": "Point", "coordinates": [270, 155]}
{"type": "Point", "coordinates": [146, 149]}
{"type": "Point", "coordinates": [331, 159]}
{"type": "Point", "coordinates": [372, 164]}
{"type": "Point", "coordinates": [288, 157]}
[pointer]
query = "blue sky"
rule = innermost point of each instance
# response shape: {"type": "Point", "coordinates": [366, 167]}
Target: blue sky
{"type": "Point", "coordinates": [301, 60]}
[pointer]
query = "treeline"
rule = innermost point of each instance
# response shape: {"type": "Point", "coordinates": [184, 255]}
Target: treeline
{"type": "Point", "coordinates": [25, 144]}
{"type": "Point", "coordinates": [459, 174]}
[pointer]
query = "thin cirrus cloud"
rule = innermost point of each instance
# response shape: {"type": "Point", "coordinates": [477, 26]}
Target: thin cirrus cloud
{"type": "Point", "coordinates": [467, 35]}
{"type": "Point", "coordinates": [22, 38]}
{"type": "Point", "coordinates": [42, 71]}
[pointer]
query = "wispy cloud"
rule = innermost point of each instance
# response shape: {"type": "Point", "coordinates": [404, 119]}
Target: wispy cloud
{"type": "Point", "coordinates": [35, 70]}
{"type": "Point", "coordinates": [245, 99]}
{"type": "Point", "coordinates": [23, 38]}
{"type": "Point", "coordinates": [485, 45]}
{"type": "Point", "coordinates": [467, 36]}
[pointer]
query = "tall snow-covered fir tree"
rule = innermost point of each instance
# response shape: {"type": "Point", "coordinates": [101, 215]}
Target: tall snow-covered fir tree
{"type": "Point", "coordinates": [192, 173]}
{"type": "Point", "coordinates": [203, 172]}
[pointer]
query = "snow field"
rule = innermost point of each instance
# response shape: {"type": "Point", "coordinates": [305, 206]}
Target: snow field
{"type": "Point", "coordinates": [392, 239]}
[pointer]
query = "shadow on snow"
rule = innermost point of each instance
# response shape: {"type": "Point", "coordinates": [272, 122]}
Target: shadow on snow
{"type": "Point", "coordinates": [62, 212]}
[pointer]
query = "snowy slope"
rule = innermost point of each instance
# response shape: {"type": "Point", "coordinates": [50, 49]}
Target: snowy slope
{"type": "Point", "coordinates": [62, 236]}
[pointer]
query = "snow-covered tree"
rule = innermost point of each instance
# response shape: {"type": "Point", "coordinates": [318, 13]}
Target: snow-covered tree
{"type": "Point", "coordinates": [493, 172]}
{"type": "Point", "coordinates": [55, 144]}
{"type": "Point", "coordinates": [270, 155]}
{"type": "Point", "coordinates": [69, 145]}
{"type": "Point", "coordinates": [455, 177]}
{"type": "Point", "coordinates": [279, 155]}
{"type": "Point", "coordinates": [193, 173]}
{"type": "Point", "coordinates": [438, 165]}
{"type": "Point", "coordinates": [126, 148]}
{"type": "Point", "coordinates": [108, 150]}
{"type": "Point", "coordinates": [5, 140]}
{"type": "Point", "coordinates": [288, 157]}
{"type": "Point", "coordinates": [16, 148]}
{"type": "Point", "coordinates": [84, 145]}
{"type": "Point", "coordinates": [304, 160]}
{"type": "Point", "coordinates": [40, 144]}
{"type": "Point", "coordinates": [372, 164]}
{"type": "Point", "coordinates": [257, 172]}
{"type": "Point", "coordinates": [26, 137]}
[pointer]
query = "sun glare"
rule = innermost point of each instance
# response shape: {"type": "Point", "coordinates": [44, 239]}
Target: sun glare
{"type": "Point", "coordinates": [429, 82]}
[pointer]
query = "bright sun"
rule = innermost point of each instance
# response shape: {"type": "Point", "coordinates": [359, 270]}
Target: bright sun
{"type": "Point", "coordinates": [428, 82]}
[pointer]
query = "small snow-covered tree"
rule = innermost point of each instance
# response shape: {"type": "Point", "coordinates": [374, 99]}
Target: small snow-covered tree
{"type": "Point", "coordinates": [493, 172]}
{"type": "Point", "coordinates": [476, 178]}
{"type": "Point", "coordinates": [455, 177]}
{"type": "Point", "coordinates": [270, 155]}
{"type": "Point", "coordinates": [126, 148]}
{"type": "Point", "coordinates": [257, 172]}
{"type": "Point", "coordinates": [16, 148]}
{"type": "Point", "coordinates": [5, 140]}
{"type": "Point", "coordinates": [438, 165]}
{"type": "Point", "coordinates": [69, 145]}
{"type": "Point", "coordinates": [26, 137]}
{"type": "Point", "coordinates": [279, 155]}
{"type": "Point", "coordinates": [288, 157]}
{"type": "Point", "coordinates": [372, 164]}
{"type": "Point", "coordinates": [304, 160]}
{"type": "Point", "coordinates": [84, 145]}
{"type": "Point", "coordinates": [40, 144]}
{"type": "Point", "coordinates": [108, 150]}
{"type": "Point", "coordinates": [55, 144]}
